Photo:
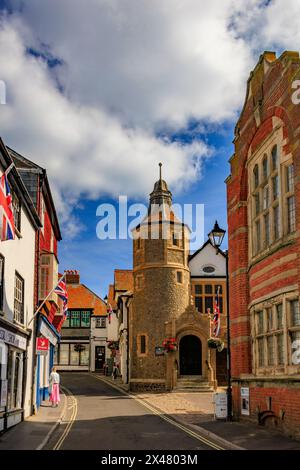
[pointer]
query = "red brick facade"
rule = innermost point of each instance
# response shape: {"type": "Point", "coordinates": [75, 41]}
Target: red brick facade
{"type": "Point", "coordinates": [256, 279]}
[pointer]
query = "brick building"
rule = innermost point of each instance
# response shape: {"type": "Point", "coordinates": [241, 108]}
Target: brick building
{"type": "Point", "coordinates": [263, 192]}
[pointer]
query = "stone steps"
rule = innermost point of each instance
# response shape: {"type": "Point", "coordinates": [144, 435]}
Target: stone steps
{"type": "Point", "coordinates": [192, 384]}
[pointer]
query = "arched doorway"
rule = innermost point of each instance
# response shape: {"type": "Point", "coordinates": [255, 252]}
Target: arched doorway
{"type": "Point", "coordinates": [190, 354]}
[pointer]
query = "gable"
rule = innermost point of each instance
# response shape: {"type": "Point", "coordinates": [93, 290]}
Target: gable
{"type": "Point", "coordinates": [207, 256]}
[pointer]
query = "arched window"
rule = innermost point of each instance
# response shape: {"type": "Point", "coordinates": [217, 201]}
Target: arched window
{"type": "Point", "coordinates": [265, 168]}
{"type": "Point", "coordinates": [274, 155]}
{"type": "Point", "coordinates": [256, 176]}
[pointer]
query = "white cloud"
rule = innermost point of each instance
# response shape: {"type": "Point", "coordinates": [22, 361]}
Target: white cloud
{"type": "Point", "coordinates": [85, 150]}
{"type": "Point", "coordinates": [131, 68]}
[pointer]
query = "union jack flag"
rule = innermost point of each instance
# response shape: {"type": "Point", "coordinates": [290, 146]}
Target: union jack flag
{"type": "Point", "coordinates": [61, 291]}
{"type": "Point", "coordinates": [216, 319]}
{"type": "Point", "coordinates": [7, 223]}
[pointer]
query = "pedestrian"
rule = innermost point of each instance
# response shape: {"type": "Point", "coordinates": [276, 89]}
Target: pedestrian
{"type": "Point", "coordinates": [115, 371]}
{"type": "Point", "coordinates": [54, 387]}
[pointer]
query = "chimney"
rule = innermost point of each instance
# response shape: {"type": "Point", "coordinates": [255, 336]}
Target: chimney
{"type": "Point", "coordinates": [72, 276]}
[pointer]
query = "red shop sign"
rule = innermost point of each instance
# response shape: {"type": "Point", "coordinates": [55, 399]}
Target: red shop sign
{"type": "Point", "coordinates": [42, 344]}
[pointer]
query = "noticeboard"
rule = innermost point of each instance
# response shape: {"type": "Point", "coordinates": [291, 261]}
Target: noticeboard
{"type": "Point", "coordinates": [220, 401]}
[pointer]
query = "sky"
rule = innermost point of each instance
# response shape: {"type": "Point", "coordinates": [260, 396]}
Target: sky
{"type": "Point", "coordinates": [99, 92]}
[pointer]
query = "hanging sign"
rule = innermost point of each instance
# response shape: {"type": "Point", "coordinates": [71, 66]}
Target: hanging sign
{"type": "Point", "coordinates": [42, 345]}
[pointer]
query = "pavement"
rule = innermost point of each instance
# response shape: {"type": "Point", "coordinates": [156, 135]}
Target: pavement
{"type": "Point", "coordinates": [98, 413]}
{"type": "Point", "coordinates": [33, 432]}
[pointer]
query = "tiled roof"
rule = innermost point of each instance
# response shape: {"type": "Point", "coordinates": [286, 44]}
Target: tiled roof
{"type": "Point", "coordinates": [111, 296]}
{"type": "Point", "coordinates": [80, 296]}
{"type": "Point", "coordinates": [123, 279]}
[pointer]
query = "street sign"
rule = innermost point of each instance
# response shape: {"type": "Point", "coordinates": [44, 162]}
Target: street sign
{"type": "Point", "coordinates": [42, 345]}
{"type": "Point", "coordinates": [220, 400]}
{"type": "Point", "coordinates": [159, 351]}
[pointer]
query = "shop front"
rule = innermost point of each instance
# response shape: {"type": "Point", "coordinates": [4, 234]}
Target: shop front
{"type": "Point", "coordinates": [45, 358]}
{"type": "Point", "coordinates": [12, 384]}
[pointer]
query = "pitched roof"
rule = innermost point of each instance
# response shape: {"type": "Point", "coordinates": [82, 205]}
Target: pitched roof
{"type": "Point", "coordinates": [81, 297]}
{"type": "Point", "coordinates": [208, 242]}
{"type": "Point", "coordinates": [123, 279]}
{"type": "Point", "coordinates": [111, 296]}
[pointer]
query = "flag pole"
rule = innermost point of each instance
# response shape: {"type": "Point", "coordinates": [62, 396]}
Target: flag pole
{"type": "Point", "coordinates": [8, 170]}
{"type": "Point", "coordinates": [45, 299]}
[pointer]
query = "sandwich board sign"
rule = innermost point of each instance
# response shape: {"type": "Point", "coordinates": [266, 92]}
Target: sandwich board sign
{"type": "Point", "coordinates": [220, 401]}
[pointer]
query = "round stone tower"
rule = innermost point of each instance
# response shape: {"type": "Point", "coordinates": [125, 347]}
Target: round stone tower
{"type": "Point", "coordinates": [161, 290]}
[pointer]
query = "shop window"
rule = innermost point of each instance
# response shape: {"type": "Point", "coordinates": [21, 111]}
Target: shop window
{"type": "Point", "coordinates": [74, 355]}
{"type": "Point", "coordinates": [84, 356]}
{"type": "Point", "coordinates": [14, 379]}
{"type": "Point", "coordinates": [1, 281]}
{"type": "Point", "coordinates": [64, 354]}
{"type": "Point", "coordinates": [19, 299]}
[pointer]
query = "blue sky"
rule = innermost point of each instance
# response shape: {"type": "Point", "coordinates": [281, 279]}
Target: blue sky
{"type": "Point", "coordinates": [99, 93]}
{"type": "Point", "coordinates": [96, 259]}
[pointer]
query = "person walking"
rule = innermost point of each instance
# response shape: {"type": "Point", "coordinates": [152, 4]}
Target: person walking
{"type": "Point", "coordinates": [54, 387]}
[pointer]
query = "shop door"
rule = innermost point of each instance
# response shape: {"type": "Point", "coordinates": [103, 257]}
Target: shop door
{"type": "Point", "coordinates": [99, 357]}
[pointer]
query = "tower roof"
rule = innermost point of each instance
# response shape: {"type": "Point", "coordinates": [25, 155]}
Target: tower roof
{"type": "Point", "coordinates": [160, 194]}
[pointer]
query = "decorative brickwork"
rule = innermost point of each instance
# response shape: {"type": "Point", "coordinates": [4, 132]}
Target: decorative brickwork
{"type": "Point", "coordinates": [264, 255]}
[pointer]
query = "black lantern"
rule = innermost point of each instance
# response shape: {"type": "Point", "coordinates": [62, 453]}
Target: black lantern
{"type": "Point", "coordinates": [216, 235]}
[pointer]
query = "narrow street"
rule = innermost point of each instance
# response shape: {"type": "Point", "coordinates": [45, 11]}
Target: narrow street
{"type": "Point", "coordinates": [102, 418]}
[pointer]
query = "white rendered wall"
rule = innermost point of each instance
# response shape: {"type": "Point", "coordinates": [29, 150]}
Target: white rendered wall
{"type": "Point", "coordinates": [208, 257]}
{"type": "Point", "coordinates": [19, 256]}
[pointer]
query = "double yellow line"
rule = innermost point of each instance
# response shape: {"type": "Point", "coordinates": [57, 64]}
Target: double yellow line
{"type": "Point", "coordinates": [74, 407]}
{"type": "Point", "coordinates": [161, 414]}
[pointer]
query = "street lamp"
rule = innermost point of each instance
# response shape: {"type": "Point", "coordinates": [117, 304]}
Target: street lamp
{"type": "Point", "coordinates": [216, 237]}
